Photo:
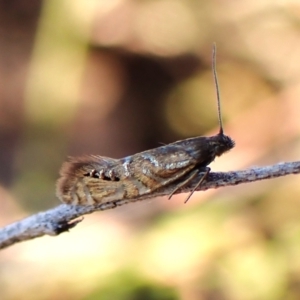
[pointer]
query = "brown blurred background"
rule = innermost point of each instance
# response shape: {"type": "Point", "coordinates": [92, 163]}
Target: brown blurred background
{"type": "Point", "coordinates": [122, 76]}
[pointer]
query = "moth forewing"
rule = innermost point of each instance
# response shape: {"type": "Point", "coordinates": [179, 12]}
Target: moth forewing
{"type": "Point", "coordinates": [78, 179]}
{"type": "Point", "coordinates": [152, 169]}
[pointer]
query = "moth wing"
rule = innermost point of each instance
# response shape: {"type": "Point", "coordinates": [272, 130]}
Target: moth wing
{"type": "Point", "coordinates": [166, 160]}
{"type": "Point", "coordinates": [73, 172]}
{"type": "Point", "coordinates": [91, 190]}
{"type": "Point", "coordinates": [85, 164]}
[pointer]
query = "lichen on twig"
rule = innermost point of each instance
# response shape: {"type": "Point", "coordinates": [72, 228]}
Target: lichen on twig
{"type": "Point", "coordinates": [64, 217]}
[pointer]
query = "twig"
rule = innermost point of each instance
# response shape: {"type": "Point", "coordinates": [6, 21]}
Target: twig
{"type": "Point", "coordinates": [64, 217]}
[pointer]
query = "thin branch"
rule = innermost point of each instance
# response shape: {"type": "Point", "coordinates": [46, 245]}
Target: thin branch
{"type": "Point", "coordinates": [64, 217]}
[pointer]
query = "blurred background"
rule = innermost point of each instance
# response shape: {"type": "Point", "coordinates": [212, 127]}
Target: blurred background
{"type": "Point", "coordinates": [121, 76]}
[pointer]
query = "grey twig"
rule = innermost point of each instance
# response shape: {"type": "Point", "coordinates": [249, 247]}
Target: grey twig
{"type": "Point", "coordinates": [64, 217]}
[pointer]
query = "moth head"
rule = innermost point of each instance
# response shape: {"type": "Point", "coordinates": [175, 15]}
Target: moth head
{"type": "Point", "coordinates": [222, 143]}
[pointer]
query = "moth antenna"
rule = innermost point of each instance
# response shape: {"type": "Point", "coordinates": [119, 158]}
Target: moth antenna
{"type": "Point", "coordinates": [217, 87]}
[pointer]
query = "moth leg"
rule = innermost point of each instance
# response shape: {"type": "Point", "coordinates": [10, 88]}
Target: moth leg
{"type": "Point", "coordinates": [114, 204]}
{"type": "Point", "coordinates": [198, 184]}
{"type": "Point", "coordinates": [182, 184]}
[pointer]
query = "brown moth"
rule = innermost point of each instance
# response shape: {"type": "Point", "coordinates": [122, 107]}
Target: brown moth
{"type": "Point", "coordinates": [96, 179]}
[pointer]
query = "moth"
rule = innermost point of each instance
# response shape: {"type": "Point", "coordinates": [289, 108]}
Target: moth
{"type": "Point", "coordinates": [93, 179]}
